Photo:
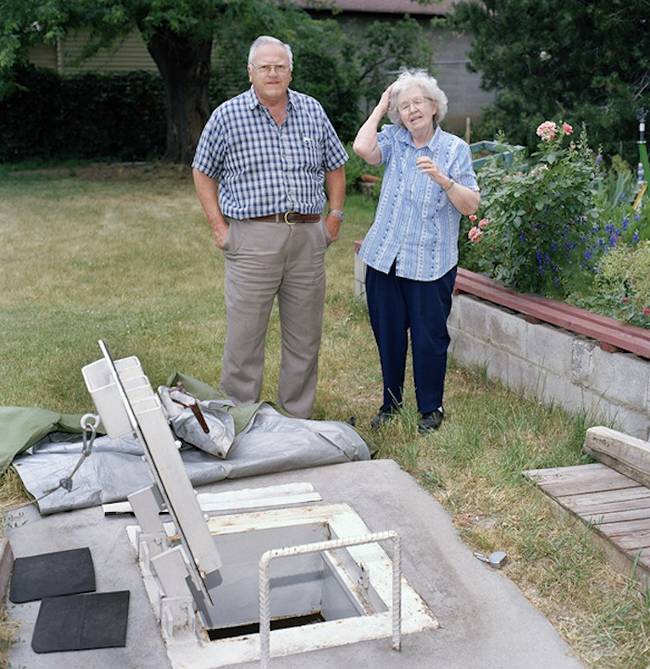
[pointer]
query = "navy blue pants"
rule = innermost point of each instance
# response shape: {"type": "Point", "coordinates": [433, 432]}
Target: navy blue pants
{"type": "Point", "coordinates": [397, 305]}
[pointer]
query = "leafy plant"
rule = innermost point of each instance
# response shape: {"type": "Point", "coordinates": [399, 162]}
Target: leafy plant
{"type": "Point", "coordinates": [621, 286]}
{"type": "Point", "coordinates": [355, 167]}
{"type": "Point", "coordinates": [539, 222]}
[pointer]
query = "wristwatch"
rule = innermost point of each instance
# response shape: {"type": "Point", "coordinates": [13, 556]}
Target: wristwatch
{"type": "Point", "coordinates": [337, 213]}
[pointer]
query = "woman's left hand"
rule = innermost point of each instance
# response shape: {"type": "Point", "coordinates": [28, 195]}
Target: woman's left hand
{"type": "Point", "coordinates": [429, 167]}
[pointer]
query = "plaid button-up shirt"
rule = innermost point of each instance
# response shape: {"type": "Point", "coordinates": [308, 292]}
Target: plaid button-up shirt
{"type": "Point", "coordinates": [263, 168]}
{"type": "Point", "coordinates": [416, 225]}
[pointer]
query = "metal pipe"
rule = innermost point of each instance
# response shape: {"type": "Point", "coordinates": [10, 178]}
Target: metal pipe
{"type": "Point", "coordinates": [264, 582]}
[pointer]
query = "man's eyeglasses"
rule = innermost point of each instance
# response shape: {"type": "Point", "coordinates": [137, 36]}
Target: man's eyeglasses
{"type": "Point", "coordinates": [267, 69]}
{"type": "Point", "coordinates": [416, 102]}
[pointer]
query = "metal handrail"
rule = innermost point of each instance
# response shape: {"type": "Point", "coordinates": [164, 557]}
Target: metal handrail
{"type": "Point", "coordinates": [264, 582]}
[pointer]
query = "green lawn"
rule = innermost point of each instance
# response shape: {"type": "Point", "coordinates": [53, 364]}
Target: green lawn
{"type": "Point", "coordinates": [125, 254]}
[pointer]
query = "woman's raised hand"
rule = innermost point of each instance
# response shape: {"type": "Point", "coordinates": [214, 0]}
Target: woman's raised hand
{"type": "Point", "coordinates": [384, 101]}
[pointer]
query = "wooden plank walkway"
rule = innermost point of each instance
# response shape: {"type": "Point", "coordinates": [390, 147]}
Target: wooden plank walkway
{"type": "Point", "coordinates": [616, 507]}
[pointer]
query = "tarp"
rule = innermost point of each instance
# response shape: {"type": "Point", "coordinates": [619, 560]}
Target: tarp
{"type": "Point", "coordinates": [22, 427]}
{"type": "Point", "coordinates": [266, 442]}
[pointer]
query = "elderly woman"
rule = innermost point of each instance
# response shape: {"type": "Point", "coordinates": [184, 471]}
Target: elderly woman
{"type": "Point", "coordinates": [411, 250]}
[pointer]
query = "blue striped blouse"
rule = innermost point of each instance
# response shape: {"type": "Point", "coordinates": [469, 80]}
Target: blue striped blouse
{"type": "Point", "coordinates": [415, 223]}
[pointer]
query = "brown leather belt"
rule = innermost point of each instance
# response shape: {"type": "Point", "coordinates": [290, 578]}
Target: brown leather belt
{"type": "Point", "coordinates": [289, 217]}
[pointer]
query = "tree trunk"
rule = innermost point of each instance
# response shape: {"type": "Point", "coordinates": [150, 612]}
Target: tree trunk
{"type": "Point", "coordinates": [185, 68]}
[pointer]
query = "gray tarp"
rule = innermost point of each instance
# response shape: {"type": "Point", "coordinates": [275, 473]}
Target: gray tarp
{"type": "Point", "coordinates": [270, 443]}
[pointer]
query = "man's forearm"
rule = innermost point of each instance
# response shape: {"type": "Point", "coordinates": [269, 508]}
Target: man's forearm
{"type": "Point", "coordinates": [207, 190]}
{"type": "Point", "coordinates": [335, 185]}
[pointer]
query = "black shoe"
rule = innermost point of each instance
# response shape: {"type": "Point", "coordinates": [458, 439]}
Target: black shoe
{"type": "Point", "coordinates": [382, 418]}
{"type": "Point", "coordinates": [430, 421]}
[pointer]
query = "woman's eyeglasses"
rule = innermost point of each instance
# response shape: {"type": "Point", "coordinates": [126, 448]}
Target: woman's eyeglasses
{"type": "Point", "coordinates": [416, 102]}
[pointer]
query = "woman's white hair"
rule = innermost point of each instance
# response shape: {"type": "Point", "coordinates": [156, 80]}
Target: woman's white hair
{"type": "Point", "coordinates": [429, 87]}
{"type": "Point", "coordinates": [267, 39]}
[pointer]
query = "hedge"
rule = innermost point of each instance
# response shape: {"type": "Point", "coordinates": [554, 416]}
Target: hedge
{"type": "Point", "coordinates": [117, 116]}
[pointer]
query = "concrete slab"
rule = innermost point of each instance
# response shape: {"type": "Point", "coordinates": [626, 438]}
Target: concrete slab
{"type": "Point", "coordinates": [484, 618]}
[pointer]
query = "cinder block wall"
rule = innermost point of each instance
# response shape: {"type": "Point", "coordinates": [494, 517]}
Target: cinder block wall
{"type": "Point", "coordinates": [556, 366]}
{"type": "Point", "coordinates": [546, 362]}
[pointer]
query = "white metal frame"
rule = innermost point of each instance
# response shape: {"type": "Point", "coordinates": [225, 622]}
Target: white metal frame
{"type": "Point", "coordinates": [304, 549]}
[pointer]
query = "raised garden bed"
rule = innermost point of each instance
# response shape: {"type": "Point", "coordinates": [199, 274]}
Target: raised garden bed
{"type": "Point", "coordinates": [608, 332]}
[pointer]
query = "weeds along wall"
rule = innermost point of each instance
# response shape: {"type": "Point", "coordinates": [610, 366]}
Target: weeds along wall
{"type": "Point", "coordinates": [117, 116]}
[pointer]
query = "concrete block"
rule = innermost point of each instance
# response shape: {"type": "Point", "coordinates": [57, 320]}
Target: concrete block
{"type": "Point", "coordinates": [455, 313]}
{"type": "Point", "coordinates": [631, 422]}
{"type": "Point", "coordinates": [620, 377]}
{"type": "Point", "coordinates": [359, 269]}
{"type": "Point", "coordinates": [554, 389]}
{"type": "Point", "coordinates": [548, 347]}
{"type": "Point", "coordinates": [507, 331]}
{"type": "Point", "coordinates": [497, 365]}
{"type": "Point", "coordinates": [473, 317]}
{"type": "Point", "coordinates": [469, 351]}
{"type": "Point", "coordinates": [582, 359]}
{"type": "Point", "coordinates": [523, 375]}
{"type": "Point", "coordinates": [359, 290]}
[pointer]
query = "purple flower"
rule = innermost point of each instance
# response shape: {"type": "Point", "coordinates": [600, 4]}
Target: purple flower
{"type": "Point", "coordinates": [626, 222]}
{"type": "Point", "coordinates": [612, 240]}
{"type": "Point", "coordinates": [588, 254]}
{"type": "Point", "coordinates": [635, 237]}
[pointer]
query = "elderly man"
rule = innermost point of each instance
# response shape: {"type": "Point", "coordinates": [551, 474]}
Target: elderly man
{"type": "Point", "coordinates": [259, 170]}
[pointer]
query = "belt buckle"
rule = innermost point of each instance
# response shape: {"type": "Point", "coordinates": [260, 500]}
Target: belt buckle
{"type": "Point", "coordinates": [286, 217]}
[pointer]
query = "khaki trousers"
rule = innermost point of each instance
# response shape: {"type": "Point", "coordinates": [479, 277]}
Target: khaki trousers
{"type": "Point", "coordinates": [265, 259]}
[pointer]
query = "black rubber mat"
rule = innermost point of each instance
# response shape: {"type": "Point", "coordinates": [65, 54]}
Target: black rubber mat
{"type": "Point", "coordinates": [82, 622]}
{"type": "Point", "coordinates": [52, 574]}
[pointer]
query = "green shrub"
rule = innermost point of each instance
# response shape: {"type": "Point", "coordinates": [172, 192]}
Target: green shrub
{"type": "Point", "coordinates": [117, 116]}
{"type": "Point", "coordinates": [538, 223]}
{"type": "Point", "coordinates": [621, 287]}
{"type": "Point", "coordinates": [355, 167]}
{"type": "Point", "coordinates": [548, 220]}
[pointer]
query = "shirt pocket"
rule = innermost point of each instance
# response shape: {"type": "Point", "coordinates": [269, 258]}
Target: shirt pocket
{"type": "Point", "coordinates": [310, 146]}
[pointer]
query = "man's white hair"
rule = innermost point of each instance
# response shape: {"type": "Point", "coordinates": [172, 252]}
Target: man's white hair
{"type": "Point", "coordinates": [429, 87]}
{"type": "Point", "coordinates": [262, 40]}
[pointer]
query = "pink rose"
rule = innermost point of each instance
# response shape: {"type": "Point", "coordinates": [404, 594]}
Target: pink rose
{"type": "Point", "coordinates": [547, 131]}
{"type": "Point", "coordinates": [473, 217]}
{"type": "Point", "coordinates": [483, 223]}
{"type": "Point", "coordinates": [474, 235]}
{"type": "Point", "coordinates": [646, 311]}
{"type": "Point", "coordinates": [567, 129]}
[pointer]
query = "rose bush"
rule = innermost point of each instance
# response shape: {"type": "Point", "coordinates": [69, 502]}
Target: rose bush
{"type": "Point", "coordinates": [549, 225]}
{"type": "Point", "coordinates": [541, 215]}
{"type": "Point", "coordinates": [552, 216]}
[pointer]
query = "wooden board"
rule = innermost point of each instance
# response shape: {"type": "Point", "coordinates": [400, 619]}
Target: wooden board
{"type": "Point", "coordinates": [616, 507]}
